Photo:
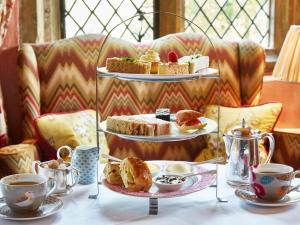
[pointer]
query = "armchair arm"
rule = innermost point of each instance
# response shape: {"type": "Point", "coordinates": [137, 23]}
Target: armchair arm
{"type": "Point", "coordinates": [252, 67]}
{"type": "Point", "coordinates": [29, 89]}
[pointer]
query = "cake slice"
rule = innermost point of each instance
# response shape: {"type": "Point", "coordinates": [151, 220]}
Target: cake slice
{"type": "Point", "coordinates": [127, 65]}
{"type": "Point", "coordinates": [196, 62]}
{"type": "Point", "coordinates": [173, 68]}
{"type": "Point", "coordinates": [138, 125]}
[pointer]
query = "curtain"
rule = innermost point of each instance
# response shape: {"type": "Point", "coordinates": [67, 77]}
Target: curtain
{"type": "Point", "coordinates": [6, 9]}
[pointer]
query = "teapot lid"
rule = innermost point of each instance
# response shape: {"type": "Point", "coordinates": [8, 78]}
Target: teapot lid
{"type": "Point", "coordinates": [245, 131]}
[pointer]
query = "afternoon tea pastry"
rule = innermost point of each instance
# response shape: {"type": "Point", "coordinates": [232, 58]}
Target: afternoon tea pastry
{"type": "Point", "coordinates": [172, 66]}
{"type": "Point", "coordinates": [112, 173]}
{"type": "Point", "coordinates": [188, 120]}
{"type": "Point", "coordinates": [127, 65]}
{"type": "Point", "coordinates": [152, 57]}
{"type": "Point", "coordinates": [196, 62]}
{"type": "Point", "coordinates": [135, 174]}
{"type": "Point", "coordinates": [138, 125]}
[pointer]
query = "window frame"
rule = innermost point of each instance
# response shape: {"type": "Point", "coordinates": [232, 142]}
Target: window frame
{"type": "Point", "coordinates": [283, 14]}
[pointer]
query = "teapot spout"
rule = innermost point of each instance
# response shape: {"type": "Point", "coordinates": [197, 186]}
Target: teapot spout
{"type": "Point", "coordinates": [228, 139]}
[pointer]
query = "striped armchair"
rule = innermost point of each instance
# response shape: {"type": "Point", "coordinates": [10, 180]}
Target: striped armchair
{"type": "Point", "coordinates": [60, 77]}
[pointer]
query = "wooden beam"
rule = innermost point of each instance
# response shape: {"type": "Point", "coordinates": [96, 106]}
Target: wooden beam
{"type": "Point", "coordinates": [168, 23]}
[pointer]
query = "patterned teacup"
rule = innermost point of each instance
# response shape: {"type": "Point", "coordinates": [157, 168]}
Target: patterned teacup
{"type": "Point", "coordinates": [26, 192]}
{"type": "Point", "coordinates": [84, 159]}
{"type": "Point", "coordinates": [272, 181]}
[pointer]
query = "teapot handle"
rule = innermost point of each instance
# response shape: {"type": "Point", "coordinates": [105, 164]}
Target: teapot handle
{"type": "Point", "coordinates": [272, 145]}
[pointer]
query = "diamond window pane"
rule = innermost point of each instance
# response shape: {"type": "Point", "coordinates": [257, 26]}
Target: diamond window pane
{"type": "Point", "coordinates": [101, 16]}
{"type": "Point", "coordinates": [231, 20]}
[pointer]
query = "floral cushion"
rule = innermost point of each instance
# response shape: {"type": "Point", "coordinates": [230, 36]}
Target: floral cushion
{"type": "Point", "coordinates": [262, 117]}
{"type": "Point", "coordinates": [72, 129]}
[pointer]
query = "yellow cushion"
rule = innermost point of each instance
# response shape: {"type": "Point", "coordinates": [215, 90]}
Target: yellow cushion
{"type": "Point", "coordinates": [262, 117]}
{"type": "Point", "coordinates": [72, 129]}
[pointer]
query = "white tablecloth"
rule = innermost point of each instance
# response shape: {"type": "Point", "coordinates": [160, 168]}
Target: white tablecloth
{"type": "Point", "coordinates": [197, 208]}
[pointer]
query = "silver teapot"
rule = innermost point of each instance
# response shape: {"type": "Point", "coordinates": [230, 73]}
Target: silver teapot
{"type": "Point", "coordinates": [242, 148]}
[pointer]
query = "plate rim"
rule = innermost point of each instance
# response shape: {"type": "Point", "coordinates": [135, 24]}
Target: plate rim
{"type": "Point", "coordinates": [212, 72]}
{"type": "Point", "coordinates": [55, 210]}
{"type": "Point", "coordinates": [265, 204]}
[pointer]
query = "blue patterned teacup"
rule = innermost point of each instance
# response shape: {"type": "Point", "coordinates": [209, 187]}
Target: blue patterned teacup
{"type": "Point", "coordinates": [84, 159]}
{"type": "Point", "coordinates": [272, 181]}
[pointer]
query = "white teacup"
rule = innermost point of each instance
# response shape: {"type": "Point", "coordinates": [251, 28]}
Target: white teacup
{"type": "Point", "coordinates": [272, 181]}
{"type": "Point", "coordinates": [26, 192]}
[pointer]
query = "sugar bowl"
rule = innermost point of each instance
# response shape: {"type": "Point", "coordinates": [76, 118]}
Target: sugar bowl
{"type": "Point", "coordinates": [65, 175]}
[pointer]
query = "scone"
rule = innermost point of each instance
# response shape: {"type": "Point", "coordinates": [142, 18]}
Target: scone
{"type": "Point", "coordinates": [135, 174]}
{"type": "Point", "coordinates": [112, 173]}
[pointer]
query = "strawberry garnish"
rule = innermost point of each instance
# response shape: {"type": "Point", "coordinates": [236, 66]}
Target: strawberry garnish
{"type": "Point", "coordinates": [172, 56]}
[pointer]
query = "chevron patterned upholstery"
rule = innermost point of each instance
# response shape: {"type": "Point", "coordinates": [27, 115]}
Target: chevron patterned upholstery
{"type": "Point", "coordinates": [17, 159]}
{"type": "Point", "coordinates": [60, 77]}
{"type": "Point", "coordinates": [287, 148]}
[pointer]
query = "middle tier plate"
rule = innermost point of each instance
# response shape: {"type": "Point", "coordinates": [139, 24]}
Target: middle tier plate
{"type": "Point", "coordinates": [175, 135]}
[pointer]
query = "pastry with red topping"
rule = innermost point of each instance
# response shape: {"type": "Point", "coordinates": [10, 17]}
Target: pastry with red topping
{"type": "Point", "coordinates": [187, 120]}
{"type": "Point", "coordinates": [172, 66]}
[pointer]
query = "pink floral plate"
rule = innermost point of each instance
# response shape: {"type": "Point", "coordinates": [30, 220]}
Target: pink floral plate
{"type": "Point", "coordinates": [192, 185]}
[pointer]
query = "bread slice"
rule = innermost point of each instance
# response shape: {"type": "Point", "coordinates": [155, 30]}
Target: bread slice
{"type": "Point", "coordinates": [127, 65]}
{"type": "Point", "coordinates": [138, 125]}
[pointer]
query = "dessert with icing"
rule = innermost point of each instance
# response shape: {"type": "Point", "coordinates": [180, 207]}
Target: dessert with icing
{"type": "Point", "coordinates": [127, 65]}
{"type": "Point", "coordinates": [173, 66]}
{"type": "Point", "coordinates": [196, 62]}
{"type": "Point", "coordinates": [152, 57]}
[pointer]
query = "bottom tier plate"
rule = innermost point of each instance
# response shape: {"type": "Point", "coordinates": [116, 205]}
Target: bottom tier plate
{"type": "Point", "coordinates": [194, 184]}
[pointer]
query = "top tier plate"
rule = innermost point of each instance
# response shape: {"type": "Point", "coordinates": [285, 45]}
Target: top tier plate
{"type": "Point", "coordinates": [208, 72]}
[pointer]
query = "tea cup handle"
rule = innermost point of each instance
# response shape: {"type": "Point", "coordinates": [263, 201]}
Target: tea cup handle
{"type": "Point", "coordinates": [297, 186]}
{"type": "Point", "coordinates": [272, 145]}
{"type": "Point", "coordinates": [35, 167]}
{"type": "Point", "coordinates": [61, 148]}
{"type": "Point", "coordinates": [76, 178]}
{"type": "Point", "coordinates": [53, 188]}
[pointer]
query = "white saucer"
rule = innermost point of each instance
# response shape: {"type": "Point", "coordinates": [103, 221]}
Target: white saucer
{"type": "Point", "coordinates": [49, 207]}
{"type": "Point", "coordinates": [250, 197]}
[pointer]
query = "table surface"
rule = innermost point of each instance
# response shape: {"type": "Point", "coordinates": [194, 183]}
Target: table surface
{"type": "Point", "coordinates": [197, 208]}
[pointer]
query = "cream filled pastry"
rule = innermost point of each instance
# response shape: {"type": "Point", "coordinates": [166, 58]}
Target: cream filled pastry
{"type": "Point", "coordinates": [152, 57]}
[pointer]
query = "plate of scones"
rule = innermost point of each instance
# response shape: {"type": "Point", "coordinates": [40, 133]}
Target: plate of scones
{"type": "Point", "coordinates": [186, 124]}
{"type": "Point", "coordinates": [149, 67]}
{"type": "Point", "coordinates": [132, 176]}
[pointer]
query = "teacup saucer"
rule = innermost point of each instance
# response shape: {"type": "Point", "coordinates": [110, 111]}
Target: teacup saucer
{"type": "Point", "coordinates": [49, 207]}
{"type": "Point", "coordinates": [250, 197]}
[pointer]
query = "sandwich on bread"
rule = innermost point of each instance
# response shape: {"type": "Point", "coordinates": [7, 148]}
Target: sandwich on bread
{"type": "Point", "coordinates": [138, 125]}
{"type": "Point", "coordinates": [189, 120]}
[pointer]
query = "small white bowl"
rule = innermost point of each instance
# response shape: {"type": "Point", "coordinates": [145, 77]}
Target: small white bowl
{"type": "Point", "coordinates": [164, 187]}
